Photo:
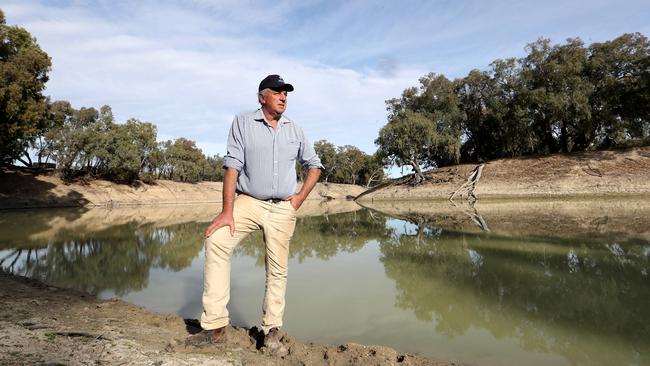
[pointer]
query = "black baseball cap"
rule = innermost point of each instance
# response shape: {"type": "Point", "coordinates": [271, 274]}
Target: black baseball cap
{"type": "Point", "coordinates": [275, 82]}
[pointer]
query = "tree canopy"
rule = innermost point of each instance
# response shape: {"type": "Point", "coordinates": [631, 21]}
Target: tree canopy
{"type": "Point", "coordinates": [24, 71]}
{"type": "Point", "coordinates": [557, 98]}
{"type": "Point", "coordinates": [423, 126]}
{"type": "Point", "coordinates": [348, 164]}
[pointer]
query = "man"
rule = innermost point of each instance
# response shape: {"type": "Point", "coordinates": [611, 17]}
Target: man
{"type": "Point", "coordinates": [263, 147]}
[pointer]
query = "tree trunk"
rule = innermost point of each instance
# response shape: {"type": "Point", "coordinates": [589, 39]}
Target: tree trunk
{"type": "Point", "coordinates": [564, 138]}
{"type": "Point", "coordinates": [418, 177]}
{"type": "Point", "coordinates": [549, 141]}
{"type": "Point", "coordinates": [470, 184]}
{"type": "Point", "coordinates": [371, 178]}
{"type": "Point", "coordinates": [40, 150]}
{"type": "Point", "coordinates": [26, 163]}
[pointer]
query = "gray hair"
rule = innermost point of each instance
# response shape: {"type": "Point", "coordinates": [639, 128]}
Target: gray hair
{"type": "Point", "coordinates": [263, 91]}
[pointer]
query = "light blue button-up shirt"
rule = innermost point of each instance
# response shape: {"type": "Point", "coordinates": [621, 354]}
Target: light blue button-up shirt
{"type": "Point", "coordinates": [266, 157]}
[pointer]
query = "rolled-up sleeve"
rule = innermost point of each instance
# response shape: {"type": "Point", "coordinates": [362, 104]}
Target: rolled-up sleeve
{"type": "Point", "coordinates": [235, 150]}
{"type": "Point", "coordinates": [307, 155]}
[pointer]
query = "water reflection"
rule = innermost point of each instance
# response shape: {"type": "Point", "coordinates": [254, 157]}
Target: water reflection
{"type": "Point", "coordinates": [591, 281]}
{"type": "Point", "coordinates": [117, 259]}
{"type": "Point", "coordinates": [567, 280]}
{"type": "Point", "coordinates": [324, 236]}
{"type": "Point", "coordinates": [525, 289]}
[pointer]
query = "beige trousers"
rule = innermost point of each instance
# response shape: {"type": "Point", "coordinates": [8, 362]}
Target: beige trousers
{"type": "Point", "coordinates": [277, 221]}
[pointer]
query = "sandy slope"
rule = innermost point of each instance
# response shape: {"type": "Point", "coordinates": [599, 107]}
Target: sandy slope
{"type": "Point", "coordinates": [22, 189]}
{"type": "Point", "coordinates": [625, 172]}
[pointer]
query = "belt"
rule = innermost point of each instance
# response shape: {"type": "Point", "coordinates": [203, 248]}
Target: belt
{"type": "Point", "coordinates": [274, 200]}
{"type": "Point", "coordinates": [270, 200]}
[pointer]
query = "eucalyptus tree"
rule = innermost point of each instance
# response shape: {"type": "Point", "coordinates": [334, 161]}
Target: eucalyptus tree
{"type": "Point", "coordinates": [70, 141]}
{"type": "Point", "coordinates": [186, 160]}
{"type": "Point", "coordinates": [213, 169]}
{"type": "Point", "coordinates": [372, 170]}
{"type": "Point", "coordinates": [557, 93]}
{"type": "Point", "coordinates": [424, 126]}
{"type": "Point", "coordinates": [328, 156]}
{"type": "Point", "coordinates": [24, 71]}
{"type": "Point", "coordinates": [620, 73]}
{"type": "Point", "coordinates": [494, 123]}
{"type": "Point", "coordinates": [351, 161]}
{"type": "Point", "coordinates": [130, 147]}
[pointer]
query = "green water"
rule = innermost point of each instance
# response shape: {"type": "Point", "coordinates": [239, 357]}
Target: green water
{"type": "Point", "coordinates": [541, 284]}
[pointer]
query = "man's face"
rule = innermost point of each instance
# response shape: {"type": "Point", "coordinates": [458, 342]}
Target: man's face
{"type": "Point", "coordinates": [275, 102]}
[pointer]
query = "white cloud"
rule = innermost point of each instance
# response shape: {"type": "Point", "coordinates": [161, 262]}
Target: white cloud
{"type": "Point", "coordinates": [190, 66]}
{"type": "Point", "coordinates": [195, 91]}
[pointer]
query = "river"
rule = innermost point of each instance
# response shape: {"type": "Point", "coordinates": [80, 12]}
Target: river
{"type": "Point", "coordinates": [562, 282]}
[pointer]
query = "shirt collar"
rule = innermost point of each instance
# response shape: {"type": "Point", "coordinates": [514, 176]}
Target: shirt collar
{"type": "Point", "coordinates": [259, 116]}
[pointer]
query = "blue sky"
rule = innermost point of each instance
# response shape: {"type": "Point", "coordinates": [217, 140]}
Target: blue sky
{"type": "Point", "coordinates": [190, 66]}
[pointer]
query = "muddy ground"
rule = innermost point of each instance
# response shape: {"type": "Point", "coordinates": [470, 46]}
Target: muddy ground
{"type": "Point", "coordinates": [41, 324]}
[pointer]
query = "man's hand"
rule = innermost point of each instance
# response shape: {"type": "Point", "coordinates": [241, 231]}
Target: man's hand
{"type": "Point", "coordinates": [296, 201]}
{"type": "Point", "coordinates": [223, 219]}
{"type": "Point", "coordinates": [309, 183]}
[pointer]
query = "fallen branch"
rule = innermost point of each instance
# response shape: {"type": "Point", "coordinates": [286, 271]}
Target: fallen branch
{"type": "Point", "coordinates": [470, 184]}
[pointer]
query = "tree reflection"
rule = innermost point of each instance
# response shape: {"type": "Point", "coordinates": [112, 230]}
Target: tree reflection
{"type": "Point", "coordinates": [117, 259]}
{"type": "Point", "coordinates": [324, 236]}
{"type": "Point", "coordinates": [524, 288]}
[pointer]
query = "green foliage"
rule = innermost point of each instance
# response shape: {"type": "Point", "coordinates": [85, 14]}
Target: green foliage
{"type": "Point", "coordinates": [186, 160]}
{"type": "Point", "coordinates": [620, 73]}
{"type": "Point", "coordinates": [328, 156]}
{"type": "Point", "coordinates": [23, 74]}
{"type": "Point", "coordinates": [213, 170]}
{"type": "Point", "coordinates": [88, 141]}
{"type": "Point", "coordinates": [557, 98]}
{"type": "Point", "coordinates": [423, 126]}
{"type": "Point", "coordinates": [348, 164]}
{"type": "Point", "coordinates": [494, 124]}
{"type": "Point", "coordinates": [557, 91]}
{"type": "Point", "coordinates": [411, 138]}
{"type": "Point", "coordinates": [129, 149]}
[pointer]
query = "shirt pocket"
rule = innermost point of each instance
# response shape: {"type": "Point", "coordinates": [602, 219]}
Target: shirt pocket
{"type": "Point", "coordinates": [289, 150]}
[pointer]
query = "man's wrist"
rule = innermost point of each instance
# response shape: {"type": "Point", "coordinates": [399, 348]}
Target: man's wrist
{"type": "Point", "coordinates": [227, 211]}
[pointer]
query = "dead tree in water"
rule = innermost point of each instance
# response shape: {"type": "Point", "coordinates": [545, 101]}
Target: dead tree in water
{"type": "Point", "coordinates": [470, 185]}
{"type": "Point", "coordinates": [474, 215]}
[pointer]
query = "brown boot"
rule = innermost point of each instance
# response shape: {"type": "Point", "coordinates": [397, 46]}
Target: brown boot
{"type": "Point", "coordinates": [273, 343]}
{"type": "Point", "coordinates": [207, 337]}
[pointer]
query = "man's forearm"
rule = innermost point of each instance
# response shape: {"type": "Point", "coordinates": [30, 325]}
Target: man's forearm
{"type": "Point", "coordinates": [229, 187]}
{"type": "Point", "coordinates": [309, 183]}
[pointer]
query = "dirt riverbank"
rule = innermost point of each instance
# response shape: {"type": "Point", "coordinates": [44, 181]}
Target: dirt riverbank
{"type": "Point", "coordinates": [41, 324]}
{"type": "Point", "coordinates": [21, 188]}
{"type": "Point", "coordinates": [593, 173]}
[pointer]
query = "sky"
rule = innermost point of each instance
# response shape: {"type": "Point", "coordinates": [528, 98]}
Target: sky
{"type": "Point", "coordinates": [190, 66]}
